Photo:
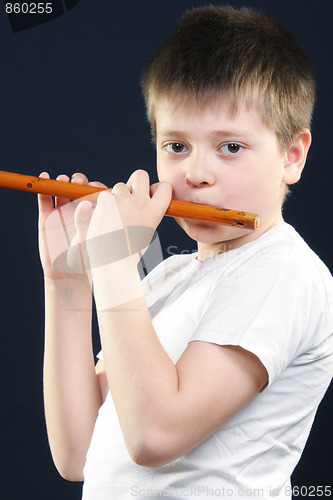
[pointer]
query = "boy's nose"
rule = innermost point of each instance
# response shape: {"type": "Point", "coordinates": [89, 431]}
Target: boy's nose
{"type": "Point", "coordinates": [198, 174]}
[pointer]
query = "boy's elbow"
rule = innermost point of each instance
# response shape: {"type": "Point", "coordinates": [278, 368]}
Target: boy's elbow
{"type": "Point", "coordinates": [152, 450]}
{"type": "Point", "coordinates": [147, 456]}
{"type": "Point", "coordinates": [70, 469]}
{"type": "Point", "coordinates": [70, 475]}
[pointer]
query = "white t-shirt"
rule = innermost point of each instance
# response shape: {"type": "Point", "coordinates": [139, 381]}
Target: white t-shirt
{"type": "Point", "coordinates": [273, 297]}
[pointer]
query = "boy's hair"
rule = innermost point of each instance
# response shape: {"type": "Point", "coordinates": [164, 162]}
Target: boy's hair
{"type": "Point", "coordinates": [239, 55]}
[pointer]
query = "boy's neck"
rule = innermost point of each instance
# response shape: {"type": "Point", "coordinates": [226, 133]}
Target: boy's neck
{"type": "Point", "coordinates": [207, 250]}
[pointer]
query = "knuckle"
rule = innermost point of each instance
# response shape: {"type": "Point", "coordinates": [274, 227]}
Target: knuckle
{"type": "Point", "coordinates": [79, 177]}
{"type": "Point", "coordinates": [118, 186]}
{"type": "Point", "coordinates": [63, 177]}
{"type": "Point", "coordinates": [142, 174]}
{"type": "Point", "coordinates": [140, 171]}
{"type": "Point", "coordinates": [97, 184]}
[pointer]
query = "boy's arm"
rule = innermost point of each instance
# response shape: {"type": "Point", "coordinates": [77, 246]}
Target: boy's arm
{"type": "Point", "coordinates": [72, 395]}
{"type": "Point", "coordinates": [167, 410]}
{"type": "Point", "coordinates": [101, 378]}
{"type": "Point", "coordinates": [164, 410]}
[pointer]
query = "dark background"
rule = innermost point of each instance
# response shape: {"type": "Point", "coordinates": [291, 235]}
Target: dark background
{"type": "Point", "coordinates": [70, 101]}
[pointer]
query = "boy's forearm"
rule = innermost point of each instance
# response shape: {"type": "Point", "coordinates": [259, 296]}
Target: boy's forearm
{"type": "Point", "coordinates": [71, 392]}
{"type": "Point", "coordinates": [142, 378]}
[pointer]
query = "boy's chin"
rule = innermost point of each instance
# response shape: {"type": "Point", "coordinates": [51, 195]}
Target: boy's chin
{"type": "Point", "coordinates": [210, 233]}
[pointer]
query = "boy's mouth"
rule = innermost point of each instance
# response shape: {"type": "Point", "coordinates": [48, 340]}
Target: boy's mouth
{"type": "Point", "coordinates": [203, 202]}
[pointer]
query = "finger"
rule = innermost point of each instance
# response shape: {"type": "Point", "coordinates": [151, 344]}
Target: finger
{"type": "Point", "coordinates": [139, 183]}
{"type": "Point", "coordinates": [98, 184]}
{"type": "Point", "coordinates": [154, 187]}
{"type": "Point", "coordinates": [82, 218]}
{"type": "Point", "coordinates": [106, 217]}
{"type": "Point", "coordinates": [79, 178]}
{"type": "Point", "coordinates": [77, 258]}
{"type": "Point", "coordinates": [120, 189]}
{"type": "Point", "coordinates": [45, 202]}
{"type": "Point", "coordinates": [161, 195]}
{"type": "Point", "coordinates": [160, 187]}
{"type": "Point", "coordinates": [60, 200]}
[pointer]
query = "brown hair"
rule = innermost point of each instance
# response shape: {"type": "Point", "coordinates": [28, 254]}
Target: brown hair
{"type": "Point", "coordinates": [237, 54]}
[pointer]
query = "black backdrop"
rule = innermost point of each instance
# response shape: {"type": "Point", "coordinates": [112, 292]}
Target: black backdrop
{"type": "Point", "coordinates": [70, 101]}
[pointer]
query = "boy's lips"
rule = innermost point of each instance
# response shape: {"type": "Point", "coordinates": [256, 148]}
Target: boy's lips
{"type": "Point", "coordinates": [202, 202]}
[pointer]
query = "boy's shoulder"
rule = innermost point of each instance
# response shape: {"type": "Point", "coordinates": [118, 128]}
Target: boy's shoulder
{"type": "Point", "coordinates": [282, 247]}
{"type": "Point", "coordinates": [290, 244]}
{"type": "Point", "coordinates": [281, 251]}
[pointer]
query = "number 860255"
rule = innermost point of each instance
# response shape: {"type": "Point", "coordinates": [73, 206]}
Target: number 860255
{"type": "Point", "coordinates": [29, 8]}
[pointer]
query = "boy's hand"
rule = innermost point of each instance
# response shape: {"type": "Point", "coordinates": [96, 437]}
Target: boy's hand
{"type": "Point", "coordinates": [61, 232]}
{"type": "Point", "coordinates": [124, 220]}
{"type": "Point", "coordinates": [139, 203]}
{"type": "Point", "coordinates": [121, 228]}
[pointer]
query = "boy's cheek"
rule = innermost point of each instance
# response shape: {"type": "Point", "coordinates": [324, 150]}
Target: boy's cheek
{"type": "Point", "coordinates": [174, 179]}
{"type": "Point", "coordinates": [164, 173]}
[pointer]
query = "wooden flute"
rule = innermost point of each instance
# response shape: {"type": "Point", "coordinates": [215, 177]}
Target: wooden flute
{"type": "Point", "coordinates": [180, 209]}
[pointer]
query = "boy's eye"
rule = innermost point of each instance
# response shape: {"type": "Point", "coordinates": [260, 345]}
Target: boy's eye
{"type": "Point", "coordinates": [231, 148]}
{"type": "Point", "coordinates": [175, 147]}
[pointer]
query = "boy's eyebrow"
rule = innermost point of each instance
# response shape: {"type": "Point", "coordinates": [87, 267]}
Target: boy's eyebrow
{"type": "Point", "coordinates": [231, 133]}
{"type": "Point", "coordinates": [235, 133]}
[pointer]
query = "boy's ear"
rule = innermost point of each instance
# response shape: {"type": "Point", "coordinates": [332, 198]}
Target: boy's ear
{"type": "Point", "coordinates": [296, 156]}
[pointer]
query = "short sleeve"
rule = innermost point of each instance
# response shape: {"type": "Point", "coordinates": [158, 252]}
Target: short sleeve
{"type": "Point", "coordinates": [264, 305]}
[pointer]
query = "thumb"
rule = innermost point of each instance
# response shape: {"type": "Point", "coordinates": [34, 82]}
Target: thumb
{"type": "Point", "coordinates": [158, 185]}
{"type": "Point", "coordinates": [77, 257]}
{"type": "Point", "coordinates": [162, 192]}
{"type": "Point", "coordinates": [82, 218]}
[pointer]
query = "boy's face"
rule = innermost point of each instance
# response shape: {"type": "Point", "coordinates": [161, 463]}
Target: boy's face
{"type": "Point", "coordinates": [212, 157]}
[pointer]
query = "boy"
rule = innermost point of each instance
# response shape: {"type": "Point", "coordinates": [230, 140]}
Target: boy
{"type": "Point", "coordinates": [213, 369]}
